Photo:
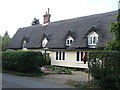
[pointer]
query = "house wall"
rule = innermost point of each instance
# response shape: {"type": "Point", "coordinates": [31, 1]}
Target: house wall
{"type": "Point", "coordinates": [70, 60]}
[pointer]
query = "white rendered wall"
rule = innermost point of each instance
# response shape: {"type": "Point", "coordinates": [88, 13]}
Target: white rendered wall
{"type": "Point", "coordinates": [70, 60]}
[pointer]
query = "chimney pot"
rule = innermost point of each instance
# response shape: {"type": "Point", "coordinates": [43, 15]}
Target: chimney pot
{"type": "Point", "coordinates": [48, 10]}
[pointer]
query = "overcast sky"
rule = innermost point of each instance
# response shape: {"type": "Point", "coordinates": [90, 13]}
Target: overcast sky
{"type": "Point", "coordinates": [15, 14]}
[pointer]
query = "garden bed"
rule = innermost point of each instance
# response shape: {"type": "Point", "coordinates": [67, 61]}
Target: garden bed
{"type": "Point", "coordinates": [56, 70]}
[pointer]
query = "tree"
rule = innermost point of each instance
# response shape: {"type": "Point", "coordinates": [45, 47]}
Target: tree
{"type": "Point", "coordinates": [115, 28]}
{"type": "Point", "coordinates": [35, 22]}
{"type": "Point", "coordinates": [0, 43]}
{"type": "Point", "coordinates": [5, 40]}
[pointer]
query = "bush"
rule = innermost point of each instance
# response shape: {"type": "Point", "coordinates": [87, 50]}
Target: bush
{"type": "Point", "coordinates": [84, 85]}
{"type": "Point", "coordinates": [22, 61]}
{"type": "Point", "coordinates": [105, 68]}
{"type": "Point", "coordinates": [48, 59]}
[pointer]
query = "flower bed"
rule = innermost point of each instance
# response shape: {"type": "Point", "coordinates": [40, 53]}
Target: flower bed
{"type": "Point", "coordinates": [55, 70]}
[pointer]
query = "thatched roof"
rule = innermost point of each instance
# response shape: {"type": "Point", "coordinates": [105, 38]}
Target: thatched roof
{"type": "Point", "coordinates": [57, 31]}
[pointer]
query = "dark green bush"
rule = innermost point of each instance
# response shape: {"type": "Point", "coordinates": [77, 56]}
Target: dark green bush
{"type": "Point", "coordinates": [22, 61]}
{"type": "Point", "coordinates": [47, 57]}
{"type": "Point", "coordinates": [105, 68]}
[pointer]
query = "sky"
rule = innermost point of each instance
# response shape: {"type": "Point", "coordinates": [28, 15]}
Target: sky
{"type": "Point", "coordinates": [15, 14]}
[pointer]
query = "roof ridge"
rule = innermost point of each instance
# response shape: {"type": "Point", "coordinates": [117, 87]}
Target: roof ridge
{"type": "Point", "coordinates": [84, 16]}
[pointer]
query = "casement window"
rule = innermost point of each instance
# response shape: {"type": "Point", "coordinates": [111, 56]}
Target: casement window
{"type": "Point", "coordinates": [24, 44]}
{"type": "Point", "coordinates": [60, 55]}
{"type": "Point", "coordinates": [44, 42]}
{"type": "Point", "coordinates": [69, 41]}
{"type": "Point", "coordinates": [92, 38]}
{"type": "Point", "coordinates": [79, 56]}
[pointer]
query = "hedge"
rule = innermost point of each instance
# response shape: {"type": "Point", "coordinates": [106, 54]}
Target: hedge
{"type": "Point", "coordinates": [105, 68]}
{"type": "Point", "coordinates": [22, 61]}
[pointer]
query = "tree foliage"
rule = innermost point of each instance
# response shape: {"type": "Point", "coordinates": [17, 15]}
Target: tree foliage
{"type": "Point", "coordinates": [0, 43]}
{"type": "Point", "coordinates": [35, 22]}
{"type": "Point", "coordinates": [104, 66]}
{"type": "Point", "coordinates": [115, 28]}
{"type": "Point", "coordinates": [5, 40]}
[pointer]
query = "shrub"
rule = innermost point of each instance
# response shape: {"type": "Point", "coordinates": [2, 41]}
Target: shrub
{"type": "Point", "coordinates": [22, 61]}
{"type": "Point", "coordinates": [84, 85]}
{"type": "Point", "coordinates": [48, 59]}
{"type": "Point", "coordinates": [105, 68]}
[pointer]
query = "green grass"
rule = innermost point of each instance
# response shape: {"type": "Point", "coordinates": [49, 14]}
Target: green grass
{"type": "Point", "coordinates": [24, 74]}
{"type": "Point", "coordinates": [81, 70]}
{"type": "Point", "coordinates": [79, 84]}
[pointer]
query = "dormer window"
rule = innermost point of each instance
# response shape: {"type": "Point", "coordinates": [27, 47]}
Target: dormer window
{"type": "Point", "coordinates": [69, 41]}
{"type": "Point", "coordinates": [44, 42]}
{"type": "Point", "coordinates": [25, 41]}
{"type": "Point", "coordinates": [24, 44]}
{"type": "Point", "coordinates": [92, 38]}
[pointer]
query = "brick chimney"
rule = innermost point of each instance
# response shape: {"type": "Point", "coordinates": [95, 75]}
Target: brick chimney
{"type": "Point", "coordinates": [46, 17]}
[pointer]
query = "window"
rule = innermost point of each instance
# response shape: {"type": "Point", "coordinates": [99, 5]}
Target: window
{"type": "Point", "coordinates": [69, 41]}
{"type": "Point", "coordinates": [92, 38]}
{"type": "Point", "coordinates": [60, 55]}
{"type": "Point", "coordinates": [56, 55]}
{"type": "Point", "coordinates": [44, 42]}
{"type": "Point", "coordinates": [63, 57]}
{"type": "Point", "coordinates": [24, 44]}
{"type": "Point", "coordinates": [79, 56]}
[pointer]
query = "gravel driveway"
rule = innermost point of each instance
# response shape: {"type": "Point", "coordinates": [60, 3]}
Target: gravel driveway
{"type": "Point", "coordinates": [62, 78]}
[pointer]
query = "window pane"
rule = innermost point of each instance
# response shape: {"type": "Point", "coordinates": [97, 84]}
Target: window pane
{"type": "Point", "coordinates": [67, 41]}
{"type": "Point", "coordinates": [70, 41]}
{"type": "Point", "coordinates": [59, 55]}
{"type": "Point", "coordinates": [81, 56]}
{"type": "Point", "coordinates": [63, 56]}
{"type": "Point", "coordinates": [94, 40]}
{"type": "Point", "coordinates": [56, 55]}
{"type": "Point", "coordinates": [89, 40]}
{"type": "Point", "coordinates": [24, 44]}
{"type": "Point", "coordinates": [77, 58]}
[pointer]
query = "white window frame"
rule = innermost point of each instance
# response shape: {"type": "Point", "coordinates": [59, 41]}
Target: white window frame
{"type": "Point", "coordinates": [91, 40]}
{"type": "Point", "coordinates": [44, 42]}
{"type": "Point", "coordinates": [79, 60]}
{"type": "Point", "coordinates": [24, 43]}
{"type": "Point", "coordinates": [69, 41]}
{"type": "Point", "coordinates": [91, 37]}
{"type": "Point", "coordinates": [60, 56]}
